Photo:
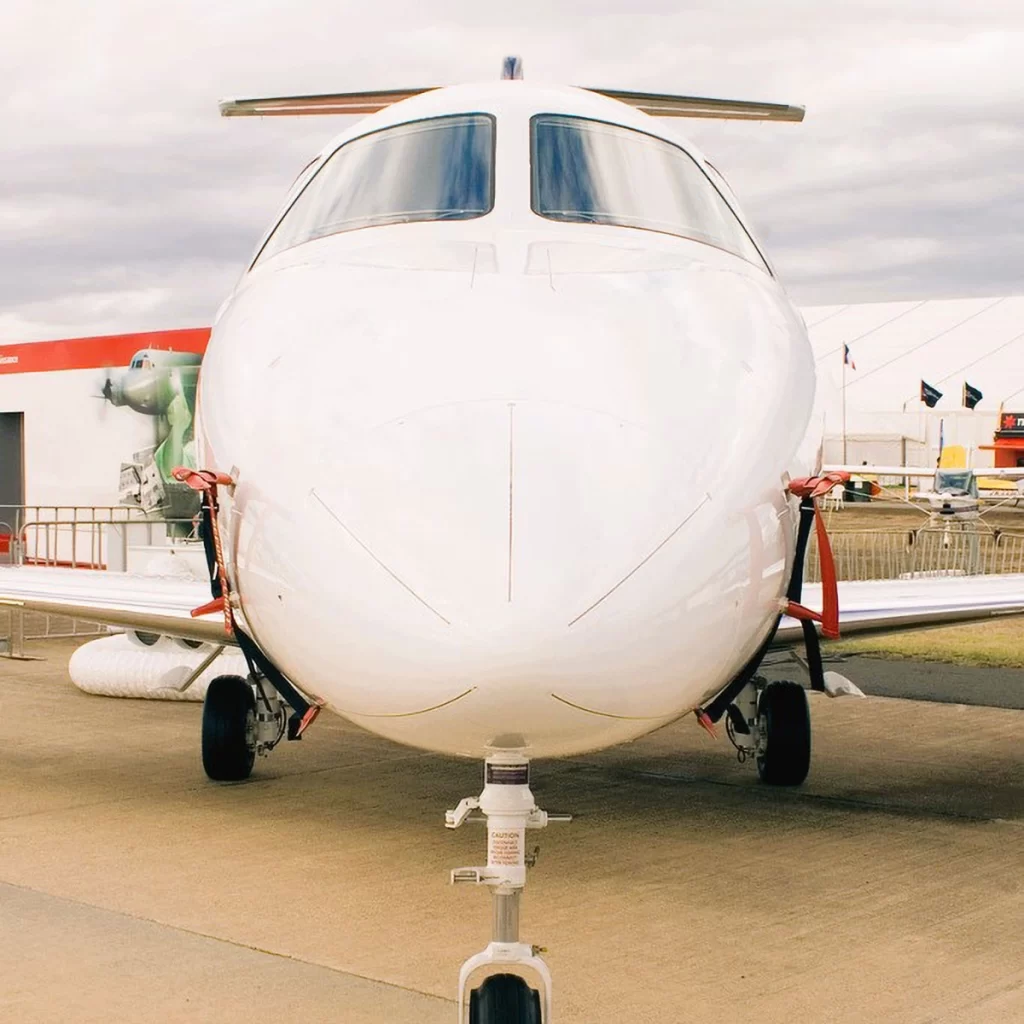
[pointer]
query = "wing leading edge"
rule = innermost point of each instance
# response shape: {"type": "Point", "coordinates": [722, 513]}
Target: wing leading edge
{"type": "Point", "coordinates": [889, 606]}
{"type": "Point", "coordinates": [154, 604]}
{"type": "Point", "coordinates": [161, 604]}
{"type": "Point", "coordinates": [984, 472]}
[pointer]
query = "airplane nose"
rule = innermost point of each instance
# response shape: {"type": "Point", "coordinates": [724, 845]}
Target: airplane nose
{"type": "Point", "coordinates": [501, 513]}
{"type": "Point", "coordinates": [505, 567]}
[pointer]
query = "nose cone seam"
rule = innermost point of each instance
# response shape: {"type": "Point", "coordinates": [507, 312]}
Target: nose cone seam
{"type": "Point", "coordinates": [398, 579]}
{"type": "Point", "coordinates": [632, 572]}
{"type": "Point", "coordinates": [608, 714]}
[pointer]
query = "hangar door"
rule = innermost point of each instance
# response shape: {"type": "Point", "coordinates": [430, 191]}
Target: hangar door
{"type": "Point", "coordinates": [12, 468]}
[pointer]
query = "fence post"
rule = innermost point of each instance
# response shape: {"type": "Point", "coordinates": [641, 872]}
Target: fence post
{"type": "Point", "coordinates": [17, 637]}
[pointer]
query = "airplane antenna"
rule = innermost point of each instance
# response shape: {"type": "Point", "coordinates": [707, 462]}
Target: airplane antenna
{"type": "Point", "coordinates": [511, 69]}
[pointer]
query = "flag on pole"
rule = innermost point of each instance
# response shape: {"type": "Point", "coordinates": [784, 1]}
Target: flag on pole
{"type": "Point", "coordinates": [848, 359]}
{"type": "Point", "coordinates": [929, 394]}
{"type": "Point", "coordinates": [972, 396]}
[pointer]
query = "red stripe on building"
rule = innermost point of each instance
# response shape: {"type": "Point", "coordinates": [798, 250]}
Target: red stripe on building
{"type": "Point", "coordinates": [92, 353]}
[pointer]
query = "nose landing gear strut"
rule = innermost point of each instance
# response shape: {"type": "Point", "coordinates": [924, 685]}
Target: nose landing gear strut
{"type": "Point", "coordinates": [507, 982]}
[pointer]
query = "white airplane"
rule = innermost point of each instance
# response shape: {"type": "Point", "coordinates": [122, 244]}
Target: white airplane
{"type": "Point", "coordinates": [549, 484]}
{"type": "Point", "coordinates": [953, 495]}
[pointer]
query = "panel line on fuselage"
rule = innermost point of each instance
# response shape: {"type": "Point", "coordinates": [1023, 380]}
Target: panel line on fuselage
{"type": "Point", "coordinates": [398, 579]}
{"type": "Point", "coordinates": [407, 714]}
{"type": "Point", "coordinates": [637, 568]}
{"type": "Point", "coordinates": [608, 714]}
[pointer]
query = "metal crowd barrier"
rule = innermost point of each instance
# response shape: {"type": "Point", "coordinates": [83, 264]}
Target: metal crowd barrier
{"type": "Point", "coordinates": [73, 537]}
{"type": "Point", "coordinates": [906, 554]}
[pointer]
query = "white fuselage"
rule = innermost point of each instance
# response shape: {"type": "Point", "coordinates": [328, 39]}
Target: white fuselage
{"type": "Point", "coordinates": [508, 482]}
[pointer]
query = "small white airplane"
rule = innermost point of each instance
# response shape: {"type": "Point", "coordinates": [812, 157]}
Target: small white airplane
{"type": "Point", "coordinates": [954, 493]}
{"type": "Point", "coordinates": [550, 481]}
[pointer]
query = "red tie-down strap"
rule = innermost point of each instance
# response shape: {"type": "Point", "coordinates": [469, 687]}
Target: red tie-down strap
{"type": "Point", "coordinates": [816, 486]}
{"type": "Point", "coordinates": [206, 482]}
{"type": "Point", "coordinates": [811, 488]}
{"type": "Point", "coordinates": [201, 479]}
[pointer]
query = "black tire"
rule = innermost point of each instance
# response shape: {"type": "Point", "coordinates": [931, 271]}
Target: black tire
{"type": "Point", "coordinates": [784, 755]}
{"type": "Point", "coordinates": [229, 719]}
{"type": "Point", "coordinates": [504, 999]}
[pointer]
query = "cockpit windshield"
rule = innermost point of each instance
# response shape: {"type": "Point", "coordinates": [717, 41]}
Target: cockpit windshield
{"type": "Point", "coordinates": [958, 483]}
{"type": "Point", "coordinates": [441, 168]}
{"type": "Point", "coordinates": [592, 172]}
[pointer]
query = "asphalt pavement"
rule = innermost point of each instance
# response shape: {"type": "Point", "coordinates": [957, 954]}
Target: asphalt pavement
{"type": "Point", "coordinates": [886, 889]}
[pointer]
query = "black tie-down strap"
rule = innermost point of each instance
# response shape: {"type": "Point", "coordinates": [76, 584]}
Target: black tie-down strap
{"type": "Point", "coordinates": [794, 591]}
{"type": "Point", "coordinates": [803, 534]}
{"type": "Point", "coordinates": [721, 703]}
{"type": "Point", "coordinates": [812, 645]}
{"type": "Point", "coordinates": [303, 712]}
{"type": "Point", "coordinates": [209, 547]}
{"type": "Point", "coordinates": [260, 666]}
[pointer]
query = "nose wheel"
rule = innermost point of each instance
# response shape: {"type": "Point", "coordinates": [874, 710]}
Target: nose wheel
{"type": "Point", "coordinates": [504, 999]}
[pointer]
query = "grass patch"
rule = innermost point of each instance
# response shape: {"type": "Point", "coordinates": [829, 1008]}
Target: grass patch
{"type": "Point", "coordinates": [995, 643]}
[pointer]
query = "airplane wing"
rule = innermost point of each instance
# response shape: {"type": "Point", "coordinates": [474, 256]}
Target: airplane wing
{"type": "Point", "coordinates": [986, 472]}
{"type": "Point", "coordinates": [153, 604]}
{"type": "Point", "coordinates": [911, 471]}
{"type": "Point", "coordinates": [161, 604]}
{"type": "Point", "coordinates": [888, 606]}
{"type": "Point", "coordinates": [998, 472]}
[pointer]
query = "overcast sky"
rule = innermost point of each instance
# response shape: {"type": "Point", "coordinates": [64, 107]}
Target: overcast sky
{"type": "Point", "coordinates": [127, 204]}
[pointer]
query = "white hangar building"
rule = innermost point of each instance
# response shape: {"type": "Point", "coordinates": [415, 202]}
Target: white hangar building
{"type": "Point", "coordinates": [896, 345]}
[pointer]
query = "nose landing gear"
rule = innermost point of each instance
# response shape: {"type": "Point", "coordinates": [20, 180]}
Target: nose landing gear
{"type": "Point", "coordinates": [507, 982]}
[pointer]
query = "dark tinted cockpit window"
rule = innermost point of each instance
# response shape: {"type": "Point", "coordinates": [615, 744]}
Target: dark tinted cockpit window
{"type": "Point", "coordinates": [596, 173]}
{"type": "Point", "coordinates": [437, 169]}
{"type": "Point", "coordinates": [960, 482]}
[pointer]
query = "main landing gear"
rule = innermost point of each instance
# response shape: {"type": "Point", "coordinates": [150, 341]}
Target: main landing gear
{"type": "Point", "coordinates": [508, 982]}
{"type": "Point", "coordinates": [240, 720]}
{"type": "Point", "coordinates": [242, 717]}
{"type": "Point", "coordinates": [771, 722]}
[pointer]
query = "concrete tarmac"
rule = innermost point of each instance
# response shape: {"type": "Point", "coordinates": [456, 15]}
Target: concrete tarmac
{"type": "Point", "coordinates": [888, 888]}
{"type": "Point", "coordinates": [922, 680]}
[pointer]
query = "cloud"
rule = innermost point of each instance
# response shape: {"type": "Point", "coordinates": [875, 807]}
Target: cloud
{"type": "Point", "coordinates": [128, 204]}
